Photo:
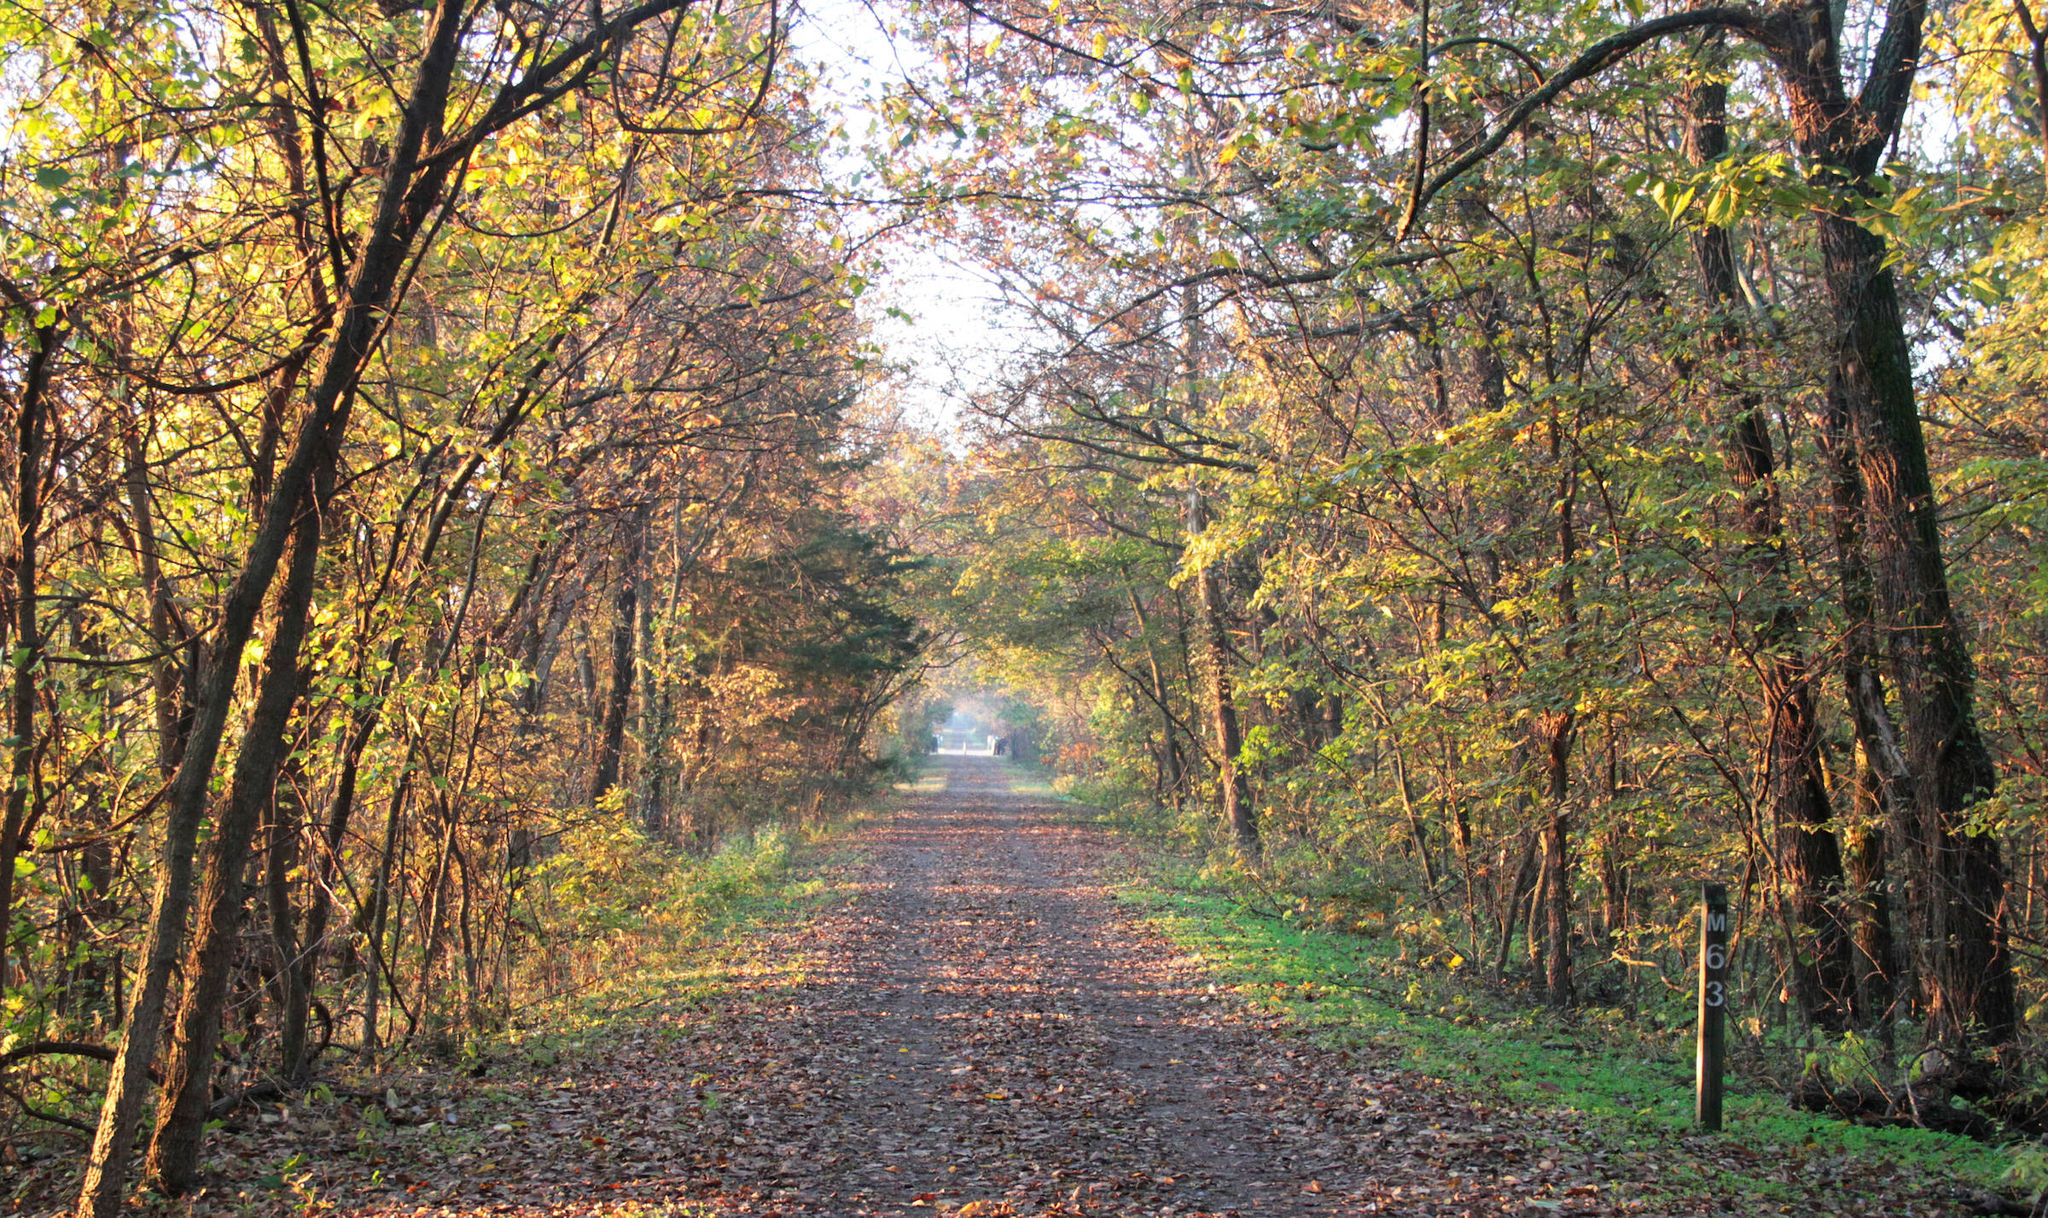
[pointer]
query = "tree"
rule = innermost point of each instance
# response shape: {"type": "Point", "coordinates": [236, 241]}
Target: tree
{"type": "Point", "coordinates": [313, 385]}
{"type": "Point", "coordinates": [1351, 182]}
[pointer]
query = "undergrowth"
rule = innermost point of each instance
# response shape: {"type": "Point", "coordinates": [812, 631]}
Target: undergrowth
{"type": "Point", "coordinates": [657, 927]}
{"type": "Point", "coordinates": [623, 933]}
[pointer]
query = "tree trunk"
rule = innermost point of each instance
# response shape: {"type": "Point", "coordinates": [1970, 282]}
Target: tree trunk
{"type": "Point", "coordinates": [376, 910]}
{"type": "Point", "coordinates": [412, 189]}
{"type": "Point", "coordinates": [1876, 957]}
{"type": "Point", "coordinates": [1557, 889]}
{"type": "Point", "coordinates": [1172, 780]}
{"type": "Point", "coordinates": [1968, 978]}
{"type": "Point", "coordinates": [1214, 658]}
{"type": "Point", "coordinates": [280, 864]}
{"type": "Point", "coordinates": [619, 696]}
{"type": "Point", "coordinates": [1614, 882]}
{"type": "Point", "coordinates": [173, 1161]}
{"type": "Point", "coordinates": [172, 719]}
{"type": "Point", "coordinates": [1947, 767]}
{"type": "Point", "coordinates": [292, 1060]}
{"type": "Point", "coordinates": [1558, 731]}
{"type": "Point", "coordinates": [1808, 857]}
{"type": "Point", "coordinates": [1514, 888]}
{"type": "Point", "coordinates": [1416, 831]}
{"type": "Point", "coordinates": [22, 600]}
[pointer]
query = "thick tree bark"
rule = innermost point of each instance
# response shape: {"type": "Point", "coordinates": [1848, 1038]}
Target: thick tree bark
{"type": "Point", "coordinates": [1809, 855]}
{"type": "Point", "coordinates": [1884, 795]}
{"type": "Point", "coordinates": [656, 721]}
{"type": "Point", "coordinates": [1967, 973]}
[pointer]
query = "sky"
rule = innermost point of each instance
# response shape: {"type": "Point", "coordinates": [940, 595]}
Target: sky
{"type": "Point", "coordinates": [944, 335]}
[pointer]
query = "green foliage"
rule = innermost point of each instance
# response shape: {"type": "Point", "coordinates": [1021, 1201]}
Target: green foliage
{"type": "Point", "coordinates": [610, 880]}
{"type": "Point", "coordinates": [623, 918]}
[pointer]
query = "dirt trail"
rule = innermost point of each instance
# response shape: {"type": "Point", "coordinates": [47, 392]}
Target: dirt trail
{"type": "Point", "coordinates": [979, 1029]}
{"type": "Point", "coordinates": [984, 1029]}
{"type": "Point", "coordinates": [1014, 1038]}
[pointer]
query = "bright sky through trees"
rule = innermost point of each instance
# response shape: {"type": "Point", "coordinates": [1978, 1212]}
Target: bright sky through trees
{"type": "Point", "coordinates": [933, 313]}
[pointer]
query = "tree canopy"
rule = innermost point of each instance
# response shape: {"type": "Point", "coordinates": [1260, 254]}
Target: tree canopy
{"type": "Point", "coordinates": [1494, 466]}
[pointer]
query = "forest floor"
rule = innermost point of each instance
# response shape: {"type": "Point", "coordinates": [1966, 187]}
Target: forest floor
{"type": "Point", "coordinates": [974, 1024]}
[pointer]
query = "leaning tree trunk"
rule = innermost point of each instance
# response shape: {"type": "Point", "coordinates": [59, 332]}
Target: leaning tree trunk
{"type": "Point", "coordinates": [412, 188]}
{"type": "Point", "coordinates": [424, 156]}
{"type": "Point", "coordinates": [173, 1162]}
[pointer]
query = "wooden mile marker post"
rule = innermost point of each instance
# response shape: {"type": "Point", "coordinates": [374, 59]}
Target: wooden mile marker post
{"type": "Point", "coordinates": [1713, 1004]}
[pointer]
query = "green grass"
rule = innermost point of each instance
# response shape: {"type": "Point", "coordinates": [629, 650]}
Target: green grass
{"type": "Point", "coordinates": [928, 782]}
{"type": "Point", "coordinates": [702, 919]}
{"type": "Point", "coordinates": [1636, 1092]}
{"type": "Point", "coordinates": [674, 932]}
{"type": "Point", "coordinates": [1629, 1085]}
{"type": "Point", "coordinates": [1104, 806]}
